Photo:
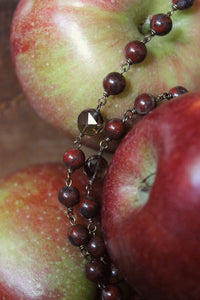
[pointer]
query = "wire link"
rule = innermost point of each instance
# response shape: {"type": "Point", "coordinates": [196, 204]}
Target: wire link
{"type": "Point", "coordinates": [89, 187]}
{"type": "Point", "coordinates": [104, 144]}
{"type": "Point", "coordinates": [164, 96]}
{"type": "Point", "coordinates": [84, 252]}
{"type": "Point", "coordinates": [68, 181]}
{"type": "Point", "coordinates": [128, 115]}
{"type": "Point", "coordinates": [92, 228]}
{"type": "Point", "coordinates": [102, 101]}
{"type": "Point", "coordinates": [148, 37]}
{"type": "Point", "coordinates": [102, 286]}
{"type": "Point", "coordinates": [71, 216]}
{"type": "Point", "coordinates": [125, 67]}
{"type": "Point", "coordinates": [77, 141]}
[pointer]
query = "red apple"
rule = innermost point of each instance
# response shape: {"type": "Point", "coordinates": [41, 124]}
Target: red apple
{"type": "Point", "coordinates": [62, 50]}
{"type": "Point", "coordinates": [36, 260]}
{"type": "Point", "coordinates": [151, 202]}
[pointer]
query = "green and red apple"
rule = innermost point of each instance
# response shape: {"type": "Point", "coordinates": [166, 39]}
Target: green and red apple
{"type": "Point", "coordinates": [151, 202]}
{"type": "Point", "coordinates": [36, 259]}
{"type": "Point", "coordinates": [62, 50]}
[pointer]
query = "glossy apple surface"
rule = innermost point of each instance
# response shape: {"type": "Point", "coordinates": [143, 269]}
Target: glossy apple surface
{"type": "Point", "coordinates": [62, 50]}
{"type": "Point", "coordinates": [36, 260]}
{"type": "Point", "coordinates": [151, 205]}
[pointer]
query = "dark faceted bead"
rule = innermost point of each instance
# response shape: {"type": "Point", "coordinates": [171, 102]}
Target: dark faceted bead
{"type": "Point", "coordinates": [90, 122]}
{"type": "Point", "coordinates": [96, 246]}
{"type": "Point", "coordinates": [161, 24]}
{"type": "Point", "coordinates": [69, 196]}
{"type": "Point", "coordinates": [183, 4]}
{"type": "Point", "coordinates": [114, 83]}
{"type": "Point", "coordinates": [144, 103]}
{"type": "Point", "coordinates": [178, 91]}
{"type": "Point", "coordinates": [95, 270]}
{"type": "Point", "coordinates": [115, 129]}
{"type": "Point", "coordinates": [78, 235]}
{"type": "Point", "coordinates": [89, 207]}
{"type": "Point", "coordinates": [96, 166]}
{"type": "Point", "coordinates": [136, 51]}
{"type": "Point", "coordinates": [111, 293]}
{"type": "Point", "coordinates": [115, 276]}
{"type": "Point", "coordinates": [74, 158]}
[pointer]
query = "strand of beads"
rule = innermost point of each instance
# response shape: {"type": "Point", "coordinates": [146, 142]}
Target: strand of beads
{"type": "Point", "coordinates": [90, 122]}
{"type": "Point", "coordinates": [98, 268]}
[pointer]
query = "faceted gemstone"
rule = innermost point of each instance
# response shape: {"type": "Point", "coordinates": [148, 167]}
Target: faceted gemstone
{"type": "Point", "coordinates": [183, 4]}
{"type": "Point", "coordinates": [114, 83]}
{"type": "Point", "coordinates": [112, 292]}
{"type": "Point", "coordinates": [136, 51]}
{"type": "Point", "coordinates": [96, 167]}
{"type": "Point", "coordinates": [74, 158]}
{"type": "Point", "coordinates": [90, 122]}
{"type": "Point", "coordinates": [96, 246]}
{"type": "Point", "coordinates": [89, 207]}
{"type": "Point", "coordinates": [115, 276]}
{"type": "Point", "coordinates": [178, 91]}
{"type": "Point", "coordinates": [95, 270]}
{"type": "Point", "coordinates": [144, 103]}
{"type": "Point", "coordinates": [69, 196]}
{"type": "Point", "coordinates": [161, 24]}
{"type": "Point", "coordinates": [78, 235]}
{"type": "Point", "coordinates": [115, 129]}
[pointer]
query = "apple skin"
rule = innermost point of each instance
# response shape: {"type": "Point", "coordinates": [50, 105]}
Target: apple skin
{"type": "Point", "coordinates": [62, 50]}
{"type": "Point", "coordinates": [36, 260]}
{"type": "Point", "coordinates": [155, 241]}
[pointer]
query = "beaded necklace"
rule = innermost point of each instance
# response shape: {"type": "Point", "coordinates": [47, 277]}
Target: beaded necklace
{"type": "Point", "coordinates": [98, 266]}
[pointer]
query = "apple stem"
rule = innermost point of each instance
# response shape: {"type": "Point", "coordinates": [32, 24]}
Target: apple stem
{"type": "Point", "coordinates": [146, 184]}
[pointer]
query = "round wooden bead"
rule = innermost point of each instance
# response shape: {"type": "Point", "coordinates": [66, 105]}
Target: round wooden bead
{"type": "Point", "coordinates": [178, 91]}
{"type": "Point", "coordinates": [144, 103]}
{"type": "Point", "coordinates": [135, 51]}
{"type": "Point", "coordinates": [161, 24]}
{"type": "Point", "coordinates": [89, 207]}
{"type": "Point", "coordinates": [115, 276]}
{"type": "Point", "coordinates": [183, 4]}
{"type": "Point", "coordinates": [96, 246]}
{"type": "Point", "coordinates": [74, 158]}
{"type": "Point", "coordinates": [112, 292]}
{"type": "Point", "coordinates": [115, 129]}
{"type": "Point", "coordinates": [69, 196]}
{"type": "Point", "coordinates": [78, 235]}
{"type": "Point", "coordinates": [114, 83]}
{"type": "Point", "coordinates": [95, 270]}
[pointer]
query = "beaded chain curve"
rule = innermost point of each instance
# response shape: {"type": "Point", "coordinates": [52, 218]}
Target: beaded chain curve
{"type": "Point", "coordinates": [98, 267]}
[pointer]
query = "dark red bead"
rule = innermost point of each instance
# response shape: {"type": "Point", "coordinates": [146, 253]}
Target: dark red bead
{"type": "Point", "coordinates": [96, 166]}
{"type": "Point", "coordinates": [96, 246]}
{"type": "Point", "coordinates": [78, 235]}
{"type": "Point", "coordinates": [178, 91]}
{"type": "Point", "coordinates": [161, 24]}
{"type": "Point", "coordinates": [183, 4]}
{"type": "Point", "coordinates": [115, 276]}
{"type": "Point", "coordinates": [112, 292]}
{"type": "Point", "coordinates": [144, 103]}
{"type": "Point", "coordinates": [95, 270]}
{"type": "Point", "coordinates": [115, 129]}
{"type": "Point", "coordinates": [69, 196]}
{"type": "Point", "coordinates": [114, 83]}
{"type": "Point", "coordinates": [89, 207]}
{"type": "Point", "coordinates": [74, 158]}
{"type": "Point", "coordinates": [136, 51]}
